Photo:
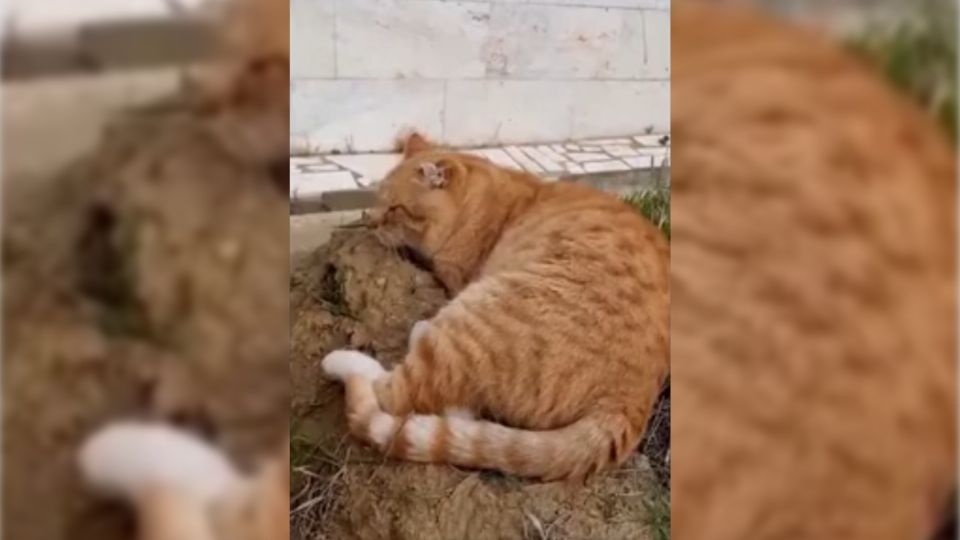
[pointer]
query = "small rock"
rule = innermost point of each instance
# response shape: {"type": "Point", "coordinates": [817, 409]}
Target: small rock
{"type": "Point", "coordinates": [228, 250]}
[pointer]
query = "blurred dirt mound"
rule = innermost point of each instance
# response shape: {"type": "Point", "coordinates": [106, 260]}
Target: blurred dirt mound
{"type": "Point", "coordinates": [148, 280]}
{"type": "Point", "coordinates": [355, 293]}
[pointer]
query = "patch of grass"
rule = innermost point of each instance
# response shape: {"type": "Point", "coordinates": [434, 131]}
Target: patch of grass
{"type": "Point", "coordinates": [918, 54]}
{"type": "Point", "coordinates": [105, 253]}
{"type": "Point", "coordinates": [658, 515]}
{"type": "Point", "coordinates": [654, 204]}
{"type": "Point", "coordinates": [316, 474]}
{"type": "Point", "coordinates": [656, 439]}
{"type": "Point", "coordinates": [330, 292]}
{"type": "Point", "coordinates": [302, 452]}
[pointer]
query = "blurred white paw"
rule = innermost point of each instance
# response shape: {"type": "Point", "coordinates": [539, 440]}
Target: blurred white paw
{"type": "Point", "coordinates": [126, 458]}
{"type": "Point", "coordinates": [342, 364]}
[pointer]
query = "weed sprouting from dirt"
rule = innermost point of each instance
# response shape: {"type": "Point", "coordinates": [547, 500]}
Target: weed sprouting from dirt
{"type": "Point", "coordinates": [658, 514]}
{"type": "Point", "coordinates": [316, 474]}
{"type": "Point", "coordinates": [656, 440]}
{"type": "Point", "coordinates": [331, 292]}
{"type": "Point", "coordinates": [654, 204]}
{"type": "Point", "coordinates": [105, 250]}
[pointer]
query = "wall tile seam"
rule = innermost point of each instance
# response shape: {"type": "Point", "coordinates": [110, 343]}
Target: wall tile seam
{"type": "Point", "coordinates": [443, 111]}
{"type": "Point", "coordinates": [646, 46]}
{"type": "Point", "coordinates": [336, 55]}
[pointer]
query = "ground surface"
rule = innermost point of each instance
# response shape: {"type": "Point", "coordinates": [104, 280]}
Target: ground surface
{"type": "Point", "coordinates": [354, 293]}
{"type": "Point", "coordinates": [145, 281]}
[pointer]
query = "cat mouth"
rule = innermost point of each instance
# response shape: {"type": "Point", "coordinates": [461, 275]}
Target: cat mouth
{"type": "Point", "coordinates": [406, 252]}
{"type": "Point", "coordinates": [416, 258]}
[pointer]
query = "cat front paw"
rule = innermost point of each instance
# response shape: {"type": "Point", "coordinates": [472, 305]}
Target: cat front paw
{"type": "Point", "coordinates": [339, 365]}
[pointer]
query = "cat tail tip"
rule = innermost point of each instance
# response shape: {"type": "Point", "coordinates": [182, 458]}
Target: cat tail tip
{"type": "Point", "coordinates": [128, 458]}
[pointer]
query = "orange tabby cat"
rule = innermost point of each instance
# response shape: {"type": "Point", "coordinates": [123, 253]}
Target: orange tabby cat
{"type": "Point", "coordinates": [813, 264]}
{"type": "Point", "coordinates": [557, 333]}
{"type": "Point", "coordinates": [184, 489]}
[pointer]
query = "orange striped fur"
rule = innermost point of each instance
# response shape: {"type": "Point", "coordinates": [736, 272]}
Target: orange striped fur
{"type": "Point", "coordinates": [556, 337]}
{"type": "Point", "coordinates": [814, 272]}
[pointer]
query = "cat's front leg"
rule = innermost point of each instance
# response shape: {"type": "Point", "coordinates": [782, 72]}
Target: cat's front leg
{"type": "Point", "coordinates": [451, 276]}
{"type": "Point", "coordinates": [418, 331]}
{"type": "Point", "coordinates": [163, 514]}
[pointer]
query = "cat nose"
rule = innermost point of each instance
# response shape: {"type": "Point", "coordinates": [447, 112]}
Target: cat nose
{"type": "Point", "coordinates": [375, 217]}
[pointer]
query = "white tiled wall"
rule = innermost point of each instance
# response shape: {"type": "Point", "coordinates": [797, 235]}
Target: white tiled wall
{"type": "Point", "coordinates": [363, 114]}
{"type": "Point", "coordinates": [476, 72]}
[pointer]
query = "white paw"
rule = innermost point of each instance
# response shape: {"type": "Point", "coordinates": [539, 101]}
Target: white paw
{"type": "Point", "coordinates": [125, 458]}
{"type": "Point", "coordinates": [341, 364]}
{"type": "Point", "coordinates": [419, 329]}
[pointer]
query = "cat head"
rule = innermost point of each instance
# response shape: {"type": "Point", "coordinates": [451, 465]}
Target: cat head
{"type": "Point", "coordinates": [419, 202]}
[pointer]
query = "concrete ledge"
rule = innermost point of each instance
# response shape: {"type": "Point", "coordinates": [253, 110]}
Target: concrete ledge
{"type": "Point", "coordinates": [625, 182]}
{"type": "Point", "coordinates": [337, 182]}
{"type": "Point", "coordinates": [104, 47]}
{"type": "Point", "coordinates": [311, 226]}
{"type": "Point", "coordinates": [308, 232]}
{"type": "Point", "coordinates": [621, 183]}
{"type": "Point", "coordinates": [335, 201]}
{"type": "Point", "coordinates": [48, 122]}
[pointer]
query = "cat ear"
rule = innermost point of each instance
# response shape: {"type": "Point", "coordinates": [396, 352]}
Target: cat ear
{"type": "Point", "coordinates": [432, 175]}
{"type": "Point", "coordinates": [440, 174]}
{"type": "Point", "coordinates": [413, 143]}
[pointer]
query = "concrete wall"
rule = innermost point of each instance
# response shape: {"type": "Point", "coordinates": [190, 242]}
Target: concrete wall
{"type": "Point", "coordinates": [476, 72]}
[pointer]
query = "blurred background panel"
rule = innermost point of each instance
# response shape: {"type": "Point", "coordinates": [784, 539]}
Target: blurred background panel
{"type": "Point", "coordinates": [144, 239]}
{"type": "Point", "coordinates": [913, 44]}
{"type": "Point", "coordinates": [68, 66]}
{"type": "Point", "coordinates": [54, 37]}
{"type": "Point", "coordinates": [814, 294]}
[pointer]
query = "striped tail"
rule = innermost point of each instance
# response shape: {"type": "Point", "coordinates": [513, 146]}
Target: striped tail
{"type": "Point", "coordinates": [572, 452]}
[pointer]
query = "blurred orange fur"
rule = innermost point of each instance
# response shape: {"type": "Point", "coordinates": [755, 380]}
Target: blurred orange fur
{"type": "Point", "coordinates": [813, 316]}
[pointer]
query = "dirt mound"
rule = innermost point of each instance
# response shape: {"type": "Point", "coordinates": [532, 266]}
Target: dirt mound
{"type": "Point", "coordinates": [146, 281]}
{"type": "Point", "coordinates": [355, 293]}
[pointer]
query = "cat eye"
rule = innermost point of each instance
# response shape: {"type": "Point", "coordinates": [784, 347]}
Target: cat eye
{"type": "Point", "coordinates": [393, 210]}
